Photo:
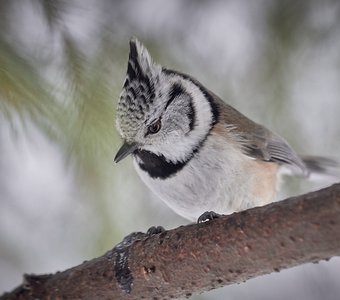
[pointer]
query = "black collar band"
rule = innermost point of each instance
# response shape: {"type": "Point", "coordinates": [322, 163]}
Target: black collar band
{"type": "Point", "coordinates": [157, 166]}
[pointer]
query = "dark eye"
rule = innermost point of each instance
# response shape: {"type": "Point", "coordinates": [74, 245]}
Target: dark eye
{"type": "Point", "coordinates": [155, 127]}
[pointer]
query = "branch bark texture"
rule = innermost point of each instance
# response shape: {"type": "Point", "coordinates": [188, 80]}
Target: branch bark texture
{"type": "Point", "coordinates": [199, 257]}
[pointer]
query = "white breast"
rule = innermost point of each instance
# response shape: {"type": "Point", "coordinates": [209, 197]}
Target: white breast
{"type": "Point", "coordinates": [219, 178]}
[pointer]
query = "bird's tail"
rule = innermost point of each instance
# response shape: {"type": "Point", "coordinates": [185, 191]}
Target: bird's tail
{"type": "Point", "coordinates": [322, 168]}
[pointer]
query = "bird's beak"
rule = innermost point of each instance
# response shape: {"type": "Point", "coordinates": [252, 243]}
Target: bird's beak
{"type": "Point", "coordinates": [124, 151]}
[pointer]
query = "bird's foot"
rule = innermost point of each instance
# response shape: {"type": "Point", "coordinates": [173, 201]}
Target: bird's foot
{"type": "Point", "coordinates": [155, 230]}
{"type": "Point", "coordinates": [137, 236]}
{"type": "Point", "coordinates": [207, 216]}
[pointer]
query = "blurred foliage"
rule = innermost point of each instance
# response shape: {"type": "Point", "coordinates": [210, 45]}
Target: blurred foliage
{"type": "Point", "coordinates": [24, 93]}
{"type": "Point", "coordinates": [68, 98]}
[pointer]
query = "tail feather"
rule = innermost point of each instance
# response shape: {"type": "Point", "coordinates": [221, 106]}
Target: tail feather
{"type": "Point", "coordinates": [322, 167]}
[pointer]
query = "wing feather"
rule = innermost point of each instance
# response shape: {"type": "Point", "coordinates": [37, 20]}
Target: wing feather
{"type": "Point", "coordinates": [268, 146]}
{"type": "Point", "coordinates": [257, 141]}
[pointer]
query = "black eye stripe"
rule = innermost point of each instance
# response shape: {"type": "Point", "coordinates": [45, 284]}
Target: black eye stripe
{"type": "Point", "coordinates": [175, 91]}
{"type": "Point", "coordinates": [213, 106]}
{"type": "Point", "coordinates": [191, 114]}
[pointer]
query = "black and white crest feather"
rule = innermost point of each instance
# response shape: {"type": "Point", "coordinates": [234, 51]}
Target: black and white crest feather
{"type": "Point", "coordinates": [138, 89]}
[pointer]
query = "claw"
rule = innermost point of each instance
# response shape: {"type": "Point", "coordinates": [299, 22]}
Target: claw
{"type": "Point", "coordinates": [207, 216]}
{"type": "Point", "coordinates": [155, 230]}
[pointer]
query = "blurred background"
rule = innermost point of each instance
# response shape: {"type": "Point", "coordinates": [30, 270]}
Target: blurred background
{"type": "Point", "coordinates": [62, 65]}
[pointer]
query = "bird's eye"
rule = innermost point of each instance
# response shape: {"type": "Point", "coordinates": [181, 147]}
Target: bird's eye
{"type": "Point", "coordinates": [155, 127]}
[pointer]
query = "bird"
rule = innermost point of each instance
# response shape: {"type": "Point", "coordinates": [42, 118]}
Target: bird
{"type": "Point", "coordinates": [198, 154]}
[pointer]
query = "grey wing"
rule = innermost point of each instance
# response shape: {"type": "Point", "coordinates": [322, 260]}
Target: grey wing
{"type": "Point", "coordinates": [268, 146]}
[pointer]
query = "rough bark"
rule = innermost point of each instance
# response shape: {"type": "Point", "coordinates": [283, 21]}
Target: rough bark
{"type": "Point", "coordinates": [199, 257]}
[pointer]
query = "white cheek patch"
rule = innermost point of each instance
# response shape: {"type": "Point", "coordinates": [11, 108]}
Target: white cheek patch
{"type": "Point", "coordinates": [177, 119]}
{"type": "Point", "coordinates": [179, 141]}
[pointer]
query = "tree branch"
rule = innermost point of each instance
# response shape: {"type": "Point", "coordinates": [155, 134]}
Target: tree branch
{"type": "Point", "coordinates": [199, 257]}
